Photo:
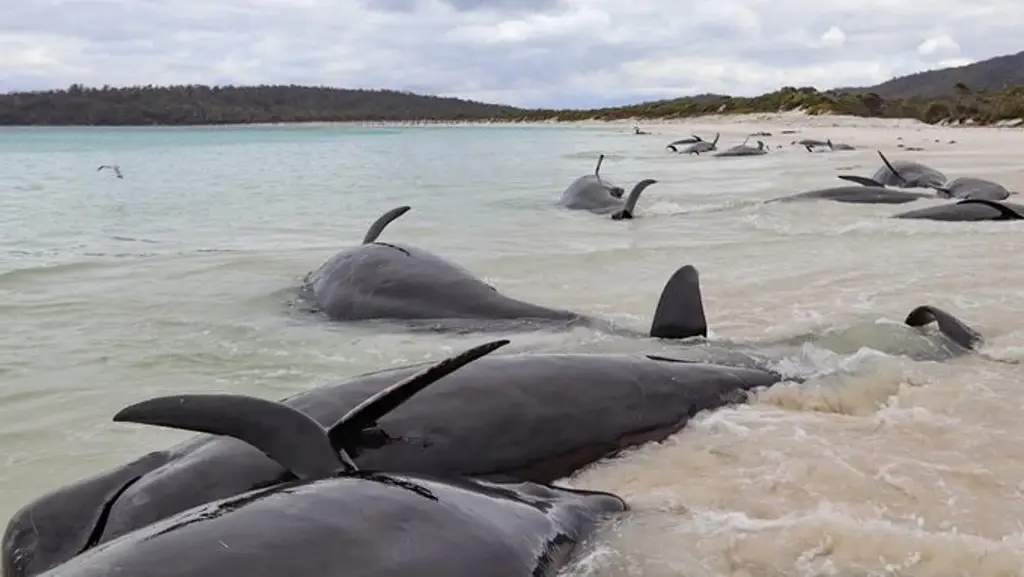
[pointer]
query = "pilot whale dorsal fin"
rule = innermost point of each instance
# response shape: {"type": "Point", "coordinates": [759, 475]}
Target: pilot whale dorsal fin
{"type": "Point", "coordinates": [680, 311]}
{"type": "Point", "coordinates": [892, 168]}
{"type": "Point", "coordinates": [1005, 212]}
{"type": "Point", "coordinates": [862, 180]}
{"type": "Point", "coordinates": [378, 226]}
{"type": "Point", "coordinates": [950, 326]}
{"type": "Point", "coordinates": [366, 414]}
{"type": "Point", "coordinates": [288, 436]}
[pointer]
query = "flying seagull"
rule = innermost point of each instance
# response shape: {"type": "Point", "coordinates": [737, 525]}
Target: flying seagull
{"type": "Point", "coordinates": [114, 167]}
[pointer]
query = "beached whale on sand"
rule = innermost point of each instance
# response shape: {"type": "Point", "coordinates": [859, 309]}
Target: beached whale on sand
{"type": "Point", "coordinates": [969, 187]}
{"type": "Point", "coordinates": [901, 173]}
{"type": "Point", "coordinates": [972, 209]}
{"type": "Point", "coordinates": [744, 150]}
{"type": "Point", "coordinates": [389, 281]}
{"type": "Point", "coordinates": [857, 194]}
{"type": "Point", "coordinates": [591, 192]}
{"type": "Point", "coordinates": [674, 145]}
{"type": "Point", "coordinates": [699, 147]}
{"type": "Point", "coordinates": [524, 417]}
{"type": "Point", "coordinates": [328, 517]}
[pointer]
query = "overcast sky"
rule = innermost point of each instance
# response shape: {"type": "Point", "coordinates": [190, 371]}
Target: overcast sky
{"type": "Point", "coordinates": [566, 53]}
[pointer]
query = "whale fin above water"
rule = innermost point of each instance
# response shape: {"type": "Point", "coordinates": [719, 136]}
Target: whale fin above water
{"type": "Point", "coordinates": [382, 222]}
{"type": "Point", "coordinates": [365, 415]}
{"type": "Point", "coordinates": [950, 326]}
{"type": "Point", "coordinates": [1005, 212]}
{"type": "Point", "coordinates": [892, 169]}
{"type": "Point", "coordinates": [288, 436]}
{"type": "Point", "coordinates": [864, 180]}
{"type": "Point", "coordinates": [680, 311]}
{"type": "Point", "coordinates": [634, 195]}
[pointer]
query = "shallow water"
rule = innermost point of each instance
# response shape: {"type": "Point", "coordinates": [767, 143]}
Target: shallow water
{"type": "Point", "coordinates": [177, 278]}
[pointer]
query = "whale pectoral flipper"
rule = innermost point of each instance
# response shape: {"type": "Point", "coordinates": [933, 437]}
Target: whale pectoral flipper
{"type": "Point", "coordinates": [1005, 212]}
{"type": "Point", "coordinates": [950, 326]}
{"type": "Point", "coordinates": [366, 414]}
{"type": "Point", "coordinates": [680, 311]}
{"type": "Point", "coordinates": [862, 180]}
{"type": "Point", "coordinates": [382, 222]}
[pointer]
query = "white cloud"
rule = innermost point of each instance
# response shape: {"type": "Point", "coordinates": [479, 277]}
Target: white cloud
{"type": "Point", "coordinates": [940, 43]}
{"type": "Point", "coordinates": [833, 37]}
{"type": "Point", "coordinates": [526, 52]}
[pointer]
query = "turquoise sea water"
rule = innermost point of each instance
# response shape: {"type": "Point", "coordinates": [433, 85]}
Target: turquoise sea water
{"type": "Point", "coordinates": [178, 277]}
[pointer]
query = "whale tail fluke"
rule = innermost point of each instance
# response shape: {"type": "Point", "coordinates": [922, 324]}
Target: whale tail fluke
{"type": "Point", "coordinates": [1005, 212]}
{"type": "Point", "coordinates": [634, 195]}
{"type": "Point", "coordinates": [378, 226]}
{"type": "Point", "coordinates": [861, 180]}
{"type": "Point", "coordinates": [953, 328]}
{"type": "Point", "coordinates": [680, 312]}
{"type": "Point", "coordinates": [288, 436]}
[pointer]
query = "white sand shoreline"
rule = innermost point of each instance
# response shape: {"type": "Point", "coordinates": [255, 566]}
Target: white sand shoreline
{"type": "Point", "coordinates": [779, 120]}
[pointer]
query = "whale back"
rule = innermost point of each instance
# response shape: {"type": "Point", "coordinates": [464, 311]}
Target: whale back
{"type": "Point", "coordinates": [390, 281]}
{"type": "Point", "coordinates": [969, 187]}
{"type": "Point", "coordinates": [911, 175]}
{"type": "Point", "coordinates": [358, 525]}
{"type": "Point", "coordinates": [591, 192]}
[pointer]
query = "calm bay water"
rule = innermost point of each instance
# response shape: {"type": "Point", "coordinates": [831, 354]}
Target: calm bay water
{"type": "Point", "coordinates": [177, 278]}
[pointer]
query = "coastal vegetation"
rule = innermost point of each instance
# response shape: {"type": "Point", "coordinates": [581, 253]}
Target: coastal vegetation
{"type": "Point", "coordinates": [985, 92]}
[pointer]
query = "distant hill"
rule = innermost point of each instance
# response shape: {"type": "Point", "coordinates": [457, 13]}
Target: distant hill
{"type": "Point", "coordinates": [197, 104]}
{"type": "Point", "coordinates": [987, 75]}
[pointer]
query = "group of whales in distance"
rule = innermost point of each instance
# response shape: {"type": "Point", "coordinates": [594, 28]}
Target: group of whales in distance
{"type": "Point", "coordinates": [461, 454]}
{"type": "Point", "coordinates": [979, 199]}
{"type": "Point", "coordinates": [459, 433]}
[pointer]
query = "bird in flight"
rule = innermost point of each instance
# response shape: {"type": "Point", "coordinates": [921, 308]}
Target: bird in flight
{"type": "Point", "coordinates": [114, 167]}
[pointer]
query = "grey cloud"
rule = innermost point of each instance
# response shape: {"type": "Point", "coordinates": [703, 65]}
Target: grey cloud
{"type": "Point", "coordinates": [527, 52]}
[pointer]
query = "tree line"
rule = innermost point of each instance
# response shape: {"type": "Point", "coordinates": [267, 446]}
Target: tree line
{"type": "Point", "coordinates": [206, 105]}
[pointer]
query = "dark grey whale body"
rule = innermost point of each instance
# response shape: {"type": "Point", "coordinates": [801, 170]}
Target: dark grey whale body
{"type": "Point", "coordinates": [969, 187]}
{"type": "Point", "coordinates": [524, 417]}
{"type": "Point", "coordinates": [857, 194]}
{"type": "Point", "coordinates": [334, 519]}
{"type": "Point", "coordinates": [901, 173]}
{"type": "Point", "coordinates": [743, 150]}
{"type": "Point", "coordinates": [674, 145]}
{"type": "Point", "coordinates": [699, 147]}
{"type": "Point", "coordinates": [972, 209]}
{"type": "Point", "coordinates": [591, 192]}
{"type": "Point", "coordinates": [367, 525]}
{"type": "Point", "coordinates": [390, 281]}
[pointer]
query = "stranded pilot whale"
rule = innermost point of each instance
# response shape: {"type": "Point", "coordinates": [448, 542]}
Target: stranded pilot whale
{"type": "Point", "coordinates": [335, 519]}
{"type": "Point", "coordinates": [591, 192]}
{"type": "Point", "coordinates": [522, 417]}
{"type": "Point", "coordinates": [901, 173]}
{"type": "Point", "coordinates": [971, 209]}
{"type": "Point", "coordinates": [857, 194]}
{"type": "Point", "coordinates": [387, 281]}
